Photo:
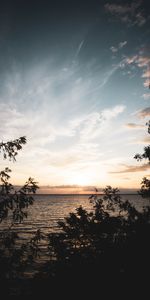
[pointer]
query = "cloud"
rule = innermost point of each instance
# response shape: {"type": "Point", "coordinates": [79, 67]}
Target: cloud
{"type": "Point", "coordinates": [67, 189]}
{"type": "Point", "coordinates": [142, 62]}
{"type": "Point", "coordinates": [122, 44]}
{"type": "Point", "coordinates": [144, 113]}
{"type": "Point", "coordinates": [146, 96]}
{"type": "Point", "coordinates": [132, 169]}
{"type": "Point", "coordinates": [78, 189]}
{"type": "Point", "coordinates": [122, 8]}
{"type": "Point", "coordinates": [118, 47]}
{"type": "Point", "coordinates": [93, 124]}
{"type": "Point", "coordinates": [11, 120]}
{"type": "Point", "coordinates": [76, 156]}
{"type": "Point", "coordinates": [79, 48]}
{"type": "Point", "coordinates": [114, 112]}
{"type": "Point", "coordinates": [65, 121]}
{"type": "Point", "coordinates": [68, 186]}
{"type": "Point", "coordinates": [146, 74]}
{"type": "Point", "coordinates": [62, 186]}
{"type": "Point", "coordinates": [130, 60]}
{"type": "Point", "coordinates": [51, 107]}
{"type": "Point", "coordinates": [140, 20]}
{"type": "Point", "coordinates": [85, 152]}
{"type": "Point", "coordinates": [114, 49]}
{"type": "Point", "coordinates": [132, 14]}
{"type": "Point", "coordinates": [134, 126]}
{"type": "Point", "coordinates": [146, 140]}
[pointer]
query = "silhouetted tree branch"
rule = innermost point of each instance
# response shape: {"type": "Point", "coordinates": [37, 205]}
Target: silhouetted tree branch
{"type": "Point", "coordinates": [10, 149]}
{"type": "Point", "coordinates": [146, 154]}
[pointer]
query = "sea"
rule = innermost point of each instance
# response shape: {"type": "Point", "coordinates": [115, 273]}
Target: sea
{"type": "Point", "coordinates": [47, 210]}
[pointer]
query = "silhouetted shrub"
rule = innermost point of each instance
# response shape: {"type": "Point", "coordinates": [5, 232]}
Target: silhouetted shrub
{"type": "Point", "coordinates": [13, 209]}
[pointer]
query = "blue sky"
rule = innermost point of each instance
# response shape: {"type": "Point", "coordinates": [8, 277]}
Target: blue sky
{"type": "Point", "coordinates": [74, 80]}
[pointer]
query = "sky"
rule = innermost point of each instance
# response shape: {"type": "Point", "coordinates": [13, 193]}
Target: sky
{"type": "Point", "coordinates": [74, 79]}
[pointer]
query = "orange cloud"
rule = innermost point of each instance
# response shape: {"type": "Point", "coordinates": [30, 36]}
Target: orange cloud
{"type": "Point", "coordinates": [134, 125]}
{"type": "Point", "coordinates": [132, 169]}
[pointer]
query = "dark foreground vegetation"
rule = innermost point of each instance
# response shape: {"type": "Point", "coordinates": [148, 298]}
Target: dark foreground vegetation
{"type": "Point", "coordinates": [104, 249]}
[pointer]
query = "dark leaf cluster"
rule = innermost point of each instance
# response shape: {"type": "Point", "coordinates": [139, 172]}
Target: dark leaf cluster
{"type": "Point", "coordinates": [10, 149]}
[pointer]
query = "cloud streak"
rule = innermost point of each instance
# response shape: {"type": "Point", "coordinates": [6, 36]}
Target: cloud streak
{"type": "Point", "coordinates": [132, 169]}
{"type": "Point", "coordinates": [79, 48]}
{"type": "Point", "coordinates": [134, 126]}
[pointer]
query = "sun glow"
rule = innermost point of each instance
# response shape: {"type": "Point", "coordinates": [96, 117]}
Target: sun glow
{"type": "Point", "coordinates": [88, 177]}
{"type": "Point", "coordinates": [80, 179]}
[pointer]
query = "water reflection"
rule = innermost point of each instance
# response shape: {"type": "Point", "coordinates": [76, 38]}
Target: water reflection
{"type": "Point", "coordinates": [47, 210]}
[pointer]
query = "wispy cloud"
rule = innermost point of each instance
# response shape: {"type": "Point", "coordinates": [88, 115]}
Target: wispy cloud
{"type": "Point", "coordinates": [79, 48]}
{"type": "Point", "coordinates": [131, 59]}
{"type": "Point", "coordinates": [132, 169]}
{"type": "Point", "coordinates": [132, 14]}
{"type": "Point", "coordinates": [146, 96]}
{"type": "Point", "coordinates": [118, 47]}
{"type": "Point", "coordinates": [134, 126]}
{"type": "Point", "coordinates": [142, 62]}
{"type": "Point", "coordinates": [122, 8]}
{"type": "Point", "coordinates": [146, 140]}
{"type": "Point", "coordinates": [11, 119]}
{"type": "Point", "coordinates": [68, 189]}
{"type": "Point", "coordinates": [52, 107]}
{"type": "Point", "coordinates": [93, 124]}
{"type": "Point", "coordinates": [114, 112]}
{"type": "Point", "coordinates": [122, 44]}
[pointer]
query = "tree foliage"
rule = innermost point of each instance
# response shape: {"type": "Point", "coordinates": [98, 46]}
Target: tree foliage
{"type": "Point", "coordinates": [146, 153]}
{"type": "Point", "coordinates": [13, 209]}
{"type": "Point", "coordinates": [15, 201]}
{"type": "Point", "coordinates": [145, 184]}
{"type": "Point", "coordinates": [10, 149]}
{"type": "Point", "coordinates": [104, 238]}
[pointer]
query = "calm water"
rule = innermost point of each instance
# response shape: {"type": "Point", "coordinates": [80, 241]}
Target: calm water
{"type": "Point", "coordinates": [47, 210]}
